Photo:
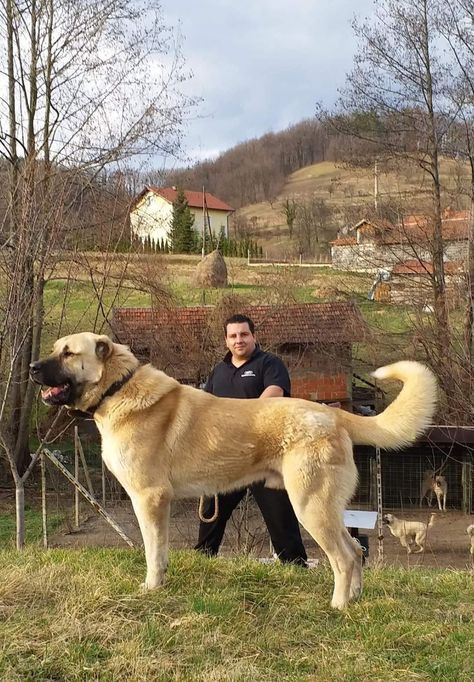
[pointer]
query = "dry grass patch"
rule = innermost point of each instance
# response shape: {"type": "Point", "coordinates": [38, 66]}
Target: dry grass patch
{"type": "Point", "coordinates": [79, 615]}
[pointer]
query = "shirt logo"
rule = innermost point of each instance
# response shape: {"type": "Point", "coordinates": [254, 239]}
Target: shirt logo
{"type": "Point", "coordinates": [248, 373]}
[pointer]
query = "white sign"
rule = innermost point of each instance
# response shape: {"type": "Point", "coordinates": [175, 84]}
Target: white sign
{"type": "Point", "coordinates": [358, 518]}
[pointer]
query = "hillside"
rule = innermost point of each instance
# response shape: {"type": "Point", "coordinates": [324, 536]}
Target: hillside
{"type": "Point", "coordinates": [348, 193]}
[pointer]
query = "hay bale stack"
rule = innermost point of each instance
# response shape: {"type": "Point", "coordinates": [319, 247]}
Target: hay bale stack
{"type": "Point", "coordinates": [211, 272]}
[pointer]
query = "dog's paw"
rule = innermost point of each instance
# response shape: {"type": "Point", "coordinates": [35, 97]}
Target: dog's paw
{"type": "Point", "coordinates": [339, 604]}
{"type": "Point", "coordinates": [151, 584]}
{"type": "Point", "coordinates": [356, 588]}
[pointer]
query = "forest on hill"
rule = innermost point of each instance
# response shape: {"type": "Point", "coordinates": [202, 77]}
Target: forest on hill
{"type": "Point", "coordinates": [256, 170]}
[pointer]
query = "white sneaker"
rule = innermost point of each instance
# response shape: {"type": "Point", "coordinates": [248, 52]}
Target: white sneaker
{"type": "Point", "coordinates": [312, 563]}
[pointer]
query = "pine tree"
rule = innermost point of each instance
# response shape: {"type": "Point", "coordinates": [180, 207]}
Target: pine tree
{"type": "Point", "coordinates": [181, 233]}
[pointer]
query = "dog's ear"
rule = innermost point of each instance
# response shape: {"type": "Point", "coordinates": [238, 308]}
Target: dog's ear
{"type": "Point", "coordinates": [103, 348]}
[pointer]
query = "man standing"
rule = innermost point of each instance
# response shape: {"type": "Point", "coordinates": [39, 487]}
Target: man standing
{"type": "Point", "coordinates": [248, 372]}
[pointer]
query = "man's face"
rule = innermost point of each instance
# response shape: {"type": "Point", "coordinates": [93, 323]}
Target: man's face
{"type": "Point", "coordinates": [240, 340]}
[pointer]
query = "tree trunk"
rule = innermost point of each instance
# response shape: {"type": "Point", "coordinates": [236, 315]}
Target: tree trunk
{"type": "Point", "coordinates": [468, 320]}
{"type": "Point", "coordinates": [20, 513]}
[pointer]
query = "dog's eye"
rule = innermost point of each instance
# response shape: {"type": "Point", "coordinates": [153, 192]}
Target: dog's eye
{"type": "Point", "coordinates": [67, 354]}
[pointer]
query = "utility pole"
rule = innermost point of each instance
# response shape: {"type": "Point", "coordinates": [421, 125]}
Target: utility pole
{"type": "Point", "coordinates": [376, 186]}
{"type": "Point", "coordinates": [203, 253]}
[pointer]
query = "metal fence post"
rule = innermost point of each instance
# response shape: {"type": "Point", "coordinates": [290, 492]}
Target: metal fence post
{"type": "Point", "coordinates": [466, 478]}
{"type": "Point", "coordinates": [76, 476]}
{"type": "Point", "coordinates": [378, 464]}
{"type": "Point", "coordinates": [44, 509]}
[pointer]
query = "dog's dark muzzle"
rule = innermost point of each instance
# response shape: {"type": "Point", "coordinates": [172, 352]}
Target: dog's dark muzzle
{"type": "Point", "coordinates": [48, 373]}
{"type": "Point", "coordinates": [35, 371]}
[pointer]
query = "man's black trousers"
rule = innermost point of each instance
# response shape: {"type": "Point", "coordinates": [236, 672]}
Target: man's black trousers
{"type": "Point", "coordinates": [277, 513]}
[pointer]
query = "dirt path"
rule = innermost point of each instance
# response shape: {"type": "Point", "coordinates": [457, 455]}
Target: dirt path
{"type": "Point", "coordinates": [447, 545]}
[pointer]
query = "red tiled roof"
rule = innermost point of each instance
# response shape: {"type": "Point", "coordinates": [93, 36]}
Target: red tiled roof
{"type": "Point", "coordinates": [379, 224]}
{"type": "Point", "coordinates": [305, 323]}
{"type": "Point", "coordinates": [194, 199]}
{"type": "Point", "coordinates": [416, 267]}
{"type": "Point", "coordinates": [414, 228]}
{"type": "Point", "coordinates": [344, 241]}
{"type": "Point", "coordinates": [421, 230]}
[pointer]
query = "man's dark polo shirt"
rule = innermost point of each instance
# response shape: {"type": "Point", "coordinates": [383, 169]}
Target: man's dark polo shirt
{"type": "Point", "coordinates": [250, 379]}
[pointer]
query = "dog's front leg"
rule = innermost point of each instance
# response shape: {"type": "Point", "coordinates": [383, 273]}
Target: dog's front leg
{"type": "Point", "coordinates": [152, 509]}
{"type": "Point", "coordinates": [405, 542]}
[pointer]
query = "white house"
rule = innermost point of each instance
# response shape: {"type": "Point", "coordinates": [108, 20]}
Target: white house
{"type": "Point", "coordinates": [152, 213]}
{"type": "Point", "coordinates": [374, 244]}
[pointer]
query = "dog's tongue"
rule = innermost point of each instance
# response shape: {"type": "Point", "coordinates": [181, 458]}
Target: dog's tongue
{"type": "Point", "coordinates": [52, 391]}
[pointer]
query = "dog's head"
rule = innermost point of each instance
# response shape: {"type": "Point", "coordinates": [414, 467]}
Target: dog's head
{"type": "Point", "coordinates": [76, 373]}
{"type": "Point", "coordinates": [388, 519]}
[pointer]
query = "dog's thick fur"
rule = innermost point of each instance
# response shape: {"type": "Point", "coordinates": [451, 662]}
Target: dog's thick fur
{"type": "Point", "coordinates": [434, 484]}
{"type": "Point", "coordinates": [426, 487]}
{"type": "Point", "coordinates": [470, 532]}
{"type": "Point", "coordinates": [440, 489]}
{"type": "Point", "coordinates": [163, 440]}
{"type": "Point", "coordinates": [409, 532]}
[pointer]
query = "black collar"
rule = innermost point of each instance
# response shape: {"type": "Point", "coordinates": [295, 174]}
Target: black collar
{"type": "Point", "coordinates": [112, 389]}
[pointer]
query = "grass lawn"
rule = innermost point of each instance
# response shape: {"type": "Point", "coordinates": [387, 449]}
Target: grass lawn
{"type": "Point", "coordinates": [79, 615]}
{"type": "Point", "coordinates": [33, 526]}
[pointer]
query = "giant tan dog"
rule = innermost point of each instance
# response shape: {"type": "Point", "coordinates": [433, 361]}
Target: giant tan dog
{"type": "Point", "coordinates": [163, 440]}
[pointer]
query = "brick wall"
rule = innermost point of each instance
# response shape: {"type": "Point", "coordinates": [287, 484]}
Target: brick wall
{"type": "Point", "coordinates": [321, 387]}
{"type": "Point", "coordinates": [322, 372]}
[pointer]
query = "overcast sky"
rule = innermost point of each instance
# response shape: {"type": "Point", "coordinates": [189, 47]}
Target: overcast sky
{"type": "Point", "coordinates": [260, 66]}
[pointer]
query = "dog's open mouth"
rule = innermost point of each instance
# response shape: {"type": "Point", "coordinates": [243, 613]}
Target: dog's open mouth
{"type": "Point", "coordinates": [56, 395]}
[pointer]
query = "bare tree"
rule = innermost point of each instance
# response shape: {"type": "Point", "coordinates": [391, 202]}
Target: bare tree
{"type": "Point", "coordinates": [312, 220]}
{"type": "Point", "coordinates": [88, 84]}
{"type": "Point", "coordinates": [289, 211]}
{"type": "Point", "coordinates": [395, 101]}
{"type": "Point", "coordinates": [455, 23]}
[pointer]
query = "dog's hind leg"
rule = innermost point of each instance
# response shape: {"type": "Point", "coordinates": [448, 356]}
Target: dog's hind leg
{"type": "Point", "coordinates": [420, 539]}
{"type": "Point", "coordinates": [357, 572]}
{"type": "Point", "coordinates": [152, 508]}
{"type": "Point", "coordinates": [319, 494]}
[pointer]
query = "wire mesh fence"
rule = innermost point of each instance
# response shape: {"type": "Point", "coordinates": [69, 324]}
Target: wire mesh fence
{"type": "Point", "coordinates": [246, 534]}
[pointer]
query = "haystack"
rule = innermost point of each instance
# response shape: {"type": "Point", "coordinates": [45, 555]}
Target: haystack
{"type": "Point", "coordinates": [211, 272]}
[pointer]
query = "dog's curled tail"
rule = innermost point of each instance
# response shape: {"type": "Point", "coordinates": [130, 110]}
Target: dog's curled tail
{"type": "Point", "coordinates": [470, 530]}
{"type": "Point", "coordinates": [408, 416]}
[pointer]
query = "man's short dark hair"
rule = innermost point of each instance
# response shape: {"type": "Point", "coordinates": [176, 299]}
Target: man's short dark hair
{"type": "Point", "coordinates": [239, 319]}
